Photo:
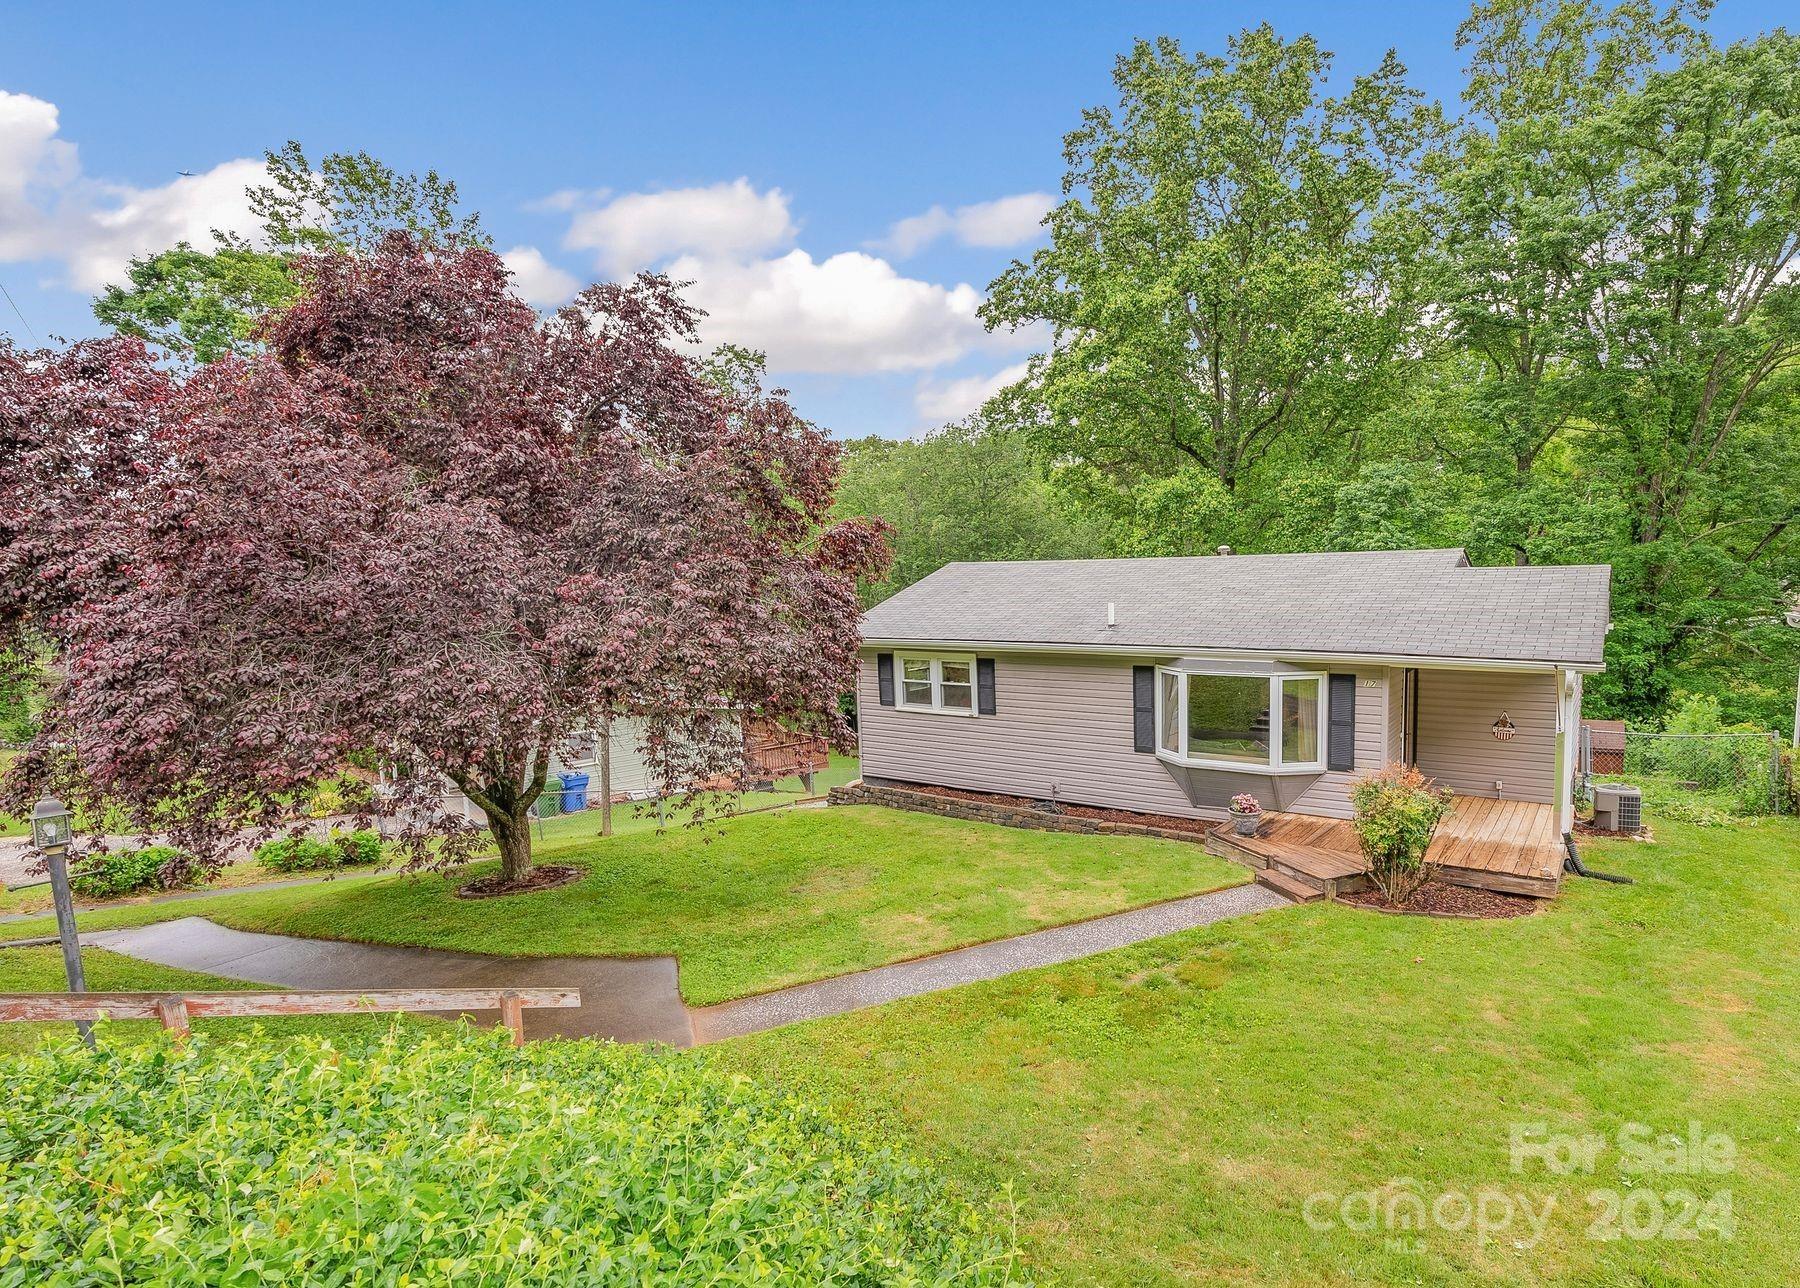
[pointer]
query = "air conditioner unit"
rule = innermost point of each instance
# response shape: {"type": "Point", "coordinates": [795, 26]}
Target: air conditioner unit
{"type": "Point", "coordinates": [1618, 808]}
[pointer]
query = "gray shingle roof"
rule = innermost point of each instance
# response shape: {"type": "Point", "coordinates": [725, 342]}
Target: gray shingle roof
{"type": "Point", "coordinates": [1407, 603]}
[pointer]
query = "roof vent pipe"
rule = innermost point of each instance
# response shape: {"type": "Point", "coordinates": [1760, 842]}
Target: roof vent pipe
{"type": "Point", "coordinates": [1224, 550]}
{"type": "Point", "coordinates": [1112, 616]}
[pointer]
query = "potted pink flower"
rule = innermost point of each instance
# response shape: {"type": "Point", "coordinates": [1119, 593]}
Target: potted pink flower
{"type": "Point", "coordinates": [1246, 813]}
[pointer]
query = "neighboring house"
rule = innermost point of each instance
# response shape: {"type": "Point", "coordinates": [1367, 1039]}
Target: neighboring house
{"type": "Point", "coordinates": [631, 775]}
{"type": "Point", "coordinates": [1166, 686]}
{"type": "Point", "coordinates": [770, 753]}
{"type": "Point", "coordinates": [1606, 746]}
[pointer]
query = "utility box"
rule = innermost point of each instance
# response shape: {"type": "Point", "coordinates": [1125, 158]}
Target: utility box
{"type": "Point", "coordinates": [1618, 808]}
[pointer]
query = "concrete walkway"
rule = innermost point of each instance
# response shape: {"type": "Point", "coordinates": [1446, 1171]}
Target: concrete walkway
{"type": "Point", "coordinates": [977, 962]}
{"type": "Point", "coordinates": [637, 1000]}
{"type": "Point", "coordinates": [628, 999]}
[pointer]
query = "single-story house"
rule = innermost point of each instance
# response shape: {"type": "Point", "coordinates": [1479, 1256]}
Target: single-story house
{"type": "Point", "coordinates": [1169, 685]}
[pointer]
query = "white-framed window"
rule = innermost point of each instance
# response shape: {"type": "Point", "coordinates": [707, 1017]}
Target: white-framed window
{"type": "Point", "coordinates": [581, 748]}
{"type": "Point", "coordinates": [1254, 723]}
{"type": "Point", "coordinates": [940, 682]}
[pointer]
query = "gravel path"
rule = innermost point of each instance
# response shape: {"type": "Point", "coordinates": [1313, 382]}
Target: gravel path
{"type": "Point", "coordinates": [636, 1000]}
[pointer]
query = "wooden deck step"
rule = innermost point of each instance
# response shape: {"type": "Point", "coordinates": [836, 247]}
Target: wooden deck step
{"type": "Point", "coordinates": [1312, 861]}
{"type": "Point", "coordinates": [1288, 887]}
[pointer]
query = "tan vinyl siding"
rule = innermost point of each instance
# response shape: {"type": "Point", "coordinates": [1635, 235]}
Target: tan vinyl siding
{"type": "Point", "coordinates": [1396, 715]}
{"type": "Point", "coordinates": [1329, 794]}
{"type": "Point", "coordinates": [1457, 747]}
{"type": "Point", "coordinates": [630, 771]}
{"type": "Point", "coordinates": [1061, 723]}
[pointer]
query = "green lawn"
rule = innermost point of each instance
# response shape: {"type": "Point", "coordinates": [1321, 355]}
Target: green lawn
{"type": "Point", "coordinates": [1163, 1112]}
{"type": "Point", "coordinates": [748, 904]}
{"type": "Point", "coordinates": [644, 816]}
{"type": "Point", "coordinates": [554, 835]}
{"type": "Point", "coordinates": [40, 970]}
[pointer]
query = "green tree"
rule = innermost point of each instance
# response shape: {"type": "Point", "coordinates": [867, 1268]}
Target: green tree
{"type": "Point", "coordinates": [1622, 213]}
{"type": "Point", "coordinates": [962, 493]}
{"type": "Point", "coordinates": [203, 304]}
{"type": "Point", "coordinates": [1232, 263]}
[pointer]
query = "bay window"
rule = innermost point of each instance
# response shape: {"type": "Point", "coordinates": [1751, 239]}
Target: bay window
{"type": "Point", "coordinates": [1241, 721]}
{"type": "Point", "coordinates": [939, 682]}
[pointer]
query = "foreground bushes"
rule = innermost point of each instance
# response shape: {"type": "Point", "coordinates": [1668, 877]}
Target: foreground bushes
{"type": "Point", "coordinates": [304, 854]}
{"type": "Point", "coordinates": [455, 1158]}
{"type": "Point", "coordinates": [117, 872]}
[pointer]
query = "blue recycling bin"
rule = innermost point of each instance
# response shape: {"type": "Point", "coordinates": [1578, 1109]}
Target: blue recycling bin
{"type": "Point", "coordinates": [574, 792]}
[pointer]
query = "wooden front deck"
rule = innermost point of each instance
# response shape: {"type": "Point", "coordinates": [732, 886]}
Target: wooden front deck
{"type": "Point", "coordinates": [1512, 846]}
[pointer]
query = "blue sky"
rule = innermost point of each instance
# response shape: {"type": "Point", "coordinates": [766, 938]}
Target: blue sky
{"type": "Point", "coordinates": [770, 151]}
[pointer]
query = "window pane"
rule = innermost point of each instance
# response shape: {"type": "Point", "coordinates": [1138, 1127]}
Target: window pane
{"type": "Point", "coordinates": [1299, 721]}
{"type": "Point", "coordinates": [957, 696]}
{"type": "Point", "coordinates": [956, 672]}
{"type": "Point", "coordinates": [1228, 718]}
{"type": "Point", "coordinates": [916, 668]}
{"type": "Point", "coordinates": [1168, 734]}
{"type": "Point", "coordinates": [916, 693]}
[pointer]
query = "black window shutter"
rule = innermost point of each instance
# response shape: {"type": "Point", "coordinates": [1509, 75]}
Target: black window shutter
{"type": "Point", "coordinates": [1143, 708]}
{"type": "Point", "coordinates": [1340, 742]}
{"type": "Point", "coordinates": [984, 685]}
{"type": "Point", "coordinates": [884, 677]}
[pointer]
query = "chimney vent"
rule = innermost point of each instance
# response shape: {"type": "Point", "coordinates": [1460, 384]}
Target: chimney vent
{"type": "Point", "coordinates": [1224, 550]}
{"type": "Point", "coordinates": [1112, 616]}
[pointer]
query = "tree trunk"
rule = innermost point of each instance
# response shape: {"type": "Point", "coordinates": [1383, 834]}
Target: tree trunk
{"type": "Point", "coordinates": [606, 777]}
{"type": "Point", "coordinates": [513, 836]}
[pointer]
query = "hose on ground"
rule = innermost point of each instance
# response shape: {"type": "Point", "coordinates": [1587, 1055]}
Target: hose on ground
{"type": "Point", "coordinates": [1573, 863]}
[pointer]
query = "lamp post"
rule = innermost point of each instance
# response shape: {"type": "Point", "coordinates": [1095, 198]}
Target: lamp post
{"type": "Point", "coordinates": [51, 832]}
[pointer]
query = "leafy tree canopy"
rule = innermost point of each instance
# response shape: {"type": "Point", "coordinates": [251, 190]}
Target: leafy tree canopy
{"type": "Point", "coordinates": [1232, 261]}
{"type": "Point", "coordinates": [203, 304]}
{"type": "Point", "coordinates": [1561, 327]}
{"type": "Point", "coordinates": [964, 493]}
{"type": "Point", "coordinates": [420, 519]}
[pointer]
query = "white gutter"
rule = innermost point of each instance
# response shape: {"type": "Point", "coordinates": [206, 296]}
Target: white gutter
{"type": "Point", "coordinates": [1138, 650]}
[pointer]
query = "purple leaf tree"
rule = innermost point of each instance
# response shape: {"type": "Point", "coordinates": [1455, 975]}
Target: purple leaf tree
{"type": "Point", "coordinates": [424, 523]}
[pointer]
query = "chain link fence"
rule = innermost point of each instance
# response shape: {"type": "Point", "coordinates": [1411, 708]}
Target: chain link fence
{"type": "Point", "coordinates": [1699, 777]}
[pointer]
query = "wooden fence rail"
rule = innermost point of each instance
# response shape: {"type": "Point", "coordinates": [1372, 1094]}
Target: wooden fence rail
{"type": "Point", "coordinates": [176, 1009]}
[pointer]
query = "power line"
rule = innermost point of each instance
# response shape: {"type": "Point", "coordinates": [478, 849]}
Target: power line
{"type": "Point", "coordinates": [16, 309]}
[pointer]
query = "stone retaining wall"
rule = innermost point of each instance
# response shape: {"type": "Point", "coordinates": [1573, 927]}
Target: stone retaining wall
{"type": "Point", "coordinates": [899, 797]}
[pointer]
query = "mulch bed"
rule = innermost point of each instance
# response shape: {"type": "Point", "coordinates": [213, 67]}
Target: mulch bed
{"type": "Point", "coordinates": [545, 877]}
{"type": "Point", "coordinates": [1198, 826]}
{"type": "Point", "coordinates": [1441, 899]}
{"type": "Point", "coordinates": [1585, 827]}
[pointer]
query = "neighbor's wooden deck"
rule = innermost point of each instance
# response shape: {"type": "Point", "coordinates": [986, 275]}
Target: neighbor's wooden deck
{"type": "Point", "coordinates": [1498, 845]}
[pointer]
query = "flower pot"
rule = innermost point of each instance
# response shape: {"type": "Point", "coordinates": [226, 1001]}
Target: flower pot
{"type": "Point", "coordinates": [1246, 824]}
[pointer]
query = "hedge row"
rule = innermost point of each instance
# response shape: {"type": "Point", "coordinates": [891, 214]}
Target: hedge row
{"type": "Point", "coordinates": [454, 1159]}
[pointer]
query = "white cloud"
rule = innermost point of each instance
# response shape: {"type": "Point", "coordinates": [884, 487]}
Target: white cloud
{"type": "Point", "coordinates": [724, 221]}
{"type": "Point", "coordinates": [50, 210]}
{"type": "Point", "coordinates": [1005, 221]}
{"type": "Point", "coordinates": [938, 403]}
{"type": "Point", "coordinates": [537, 281]}
{"type": "Point", "coordinates": [564, 200]}
{"type": "Point", "coordinates": [851, 313]}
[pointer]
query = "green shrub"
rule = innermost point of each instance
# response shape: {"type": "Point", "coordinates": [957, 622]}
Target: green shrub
{"type": "Point", "coordinates": [341, 794]}
{"type": "Point", "coordinates": [102, 876]}
{"type": "Point", "coordinates": [454, 1159]}
{"type": "Point", "coordinates": [362, 846]}
{"type": "Point", "coordinates": [1397, 810]}
{"type": "Point", "coordinates": [298, 854]}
